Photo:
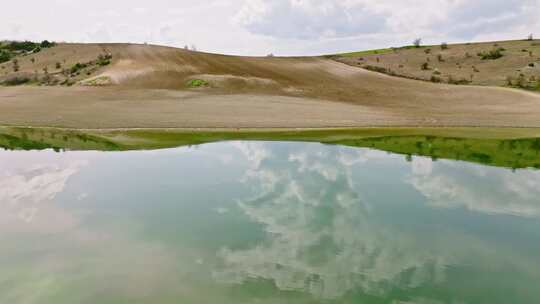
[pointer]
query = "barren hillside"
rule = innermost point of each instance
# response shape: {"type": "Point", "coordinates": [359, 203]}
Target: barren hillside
{"type": "Point", "coordinates": [154, 86]}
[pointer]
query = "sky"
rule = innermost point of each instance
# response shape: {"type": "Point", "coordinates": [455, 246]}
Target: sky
{"type": "Point", "coordinates": [281, 27]}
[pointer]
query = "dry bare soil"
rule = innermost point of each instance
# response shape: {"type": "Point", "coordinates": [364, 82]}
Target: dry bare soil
{"type": "Point", "coordinates": [148, 86]}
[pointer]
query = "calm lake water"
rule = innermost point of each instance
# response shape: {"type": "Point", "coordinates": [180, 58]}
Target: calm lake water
{"type": "Point", "coordinates": [265, 222]}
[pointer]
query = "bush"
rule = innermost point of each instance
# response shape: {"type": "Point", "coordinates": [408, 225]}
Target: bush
{"type": "Point", "coordinates": [16, 81]}
{"type": "Point", "coordinates": [77, 67]}
{"type": "Point", "coordinates": [452, 80]}
{"type": "Point", "coordinates": [435, 79]}
{"type": "Point", "coordinates": [58, 66]}
{"type": "Point", "coordinates": [197, 83]}
{"type": "Point", "coordinates": [15, 65]}
{"type": "Point", "coordinates": [5, 56]}
{"type": "Point", "coordinates": [530, 37]}
{"type": "Point", "coordinates": [425, 66]}
{"type": "Point", "coordinates": [104, 60]}
{"type": "Point", "coordinates": [47, 44]}
{"type": "Point", "coordinates": [27, 46]}
{"type": "Point", "coordinates": [491, 55]}
{"type": "Point", "coordinates": [376, 69]}
{"type": "Point", "coordinates": [417, 42]}
{"type": "Point", "coordinates": [444, 46]}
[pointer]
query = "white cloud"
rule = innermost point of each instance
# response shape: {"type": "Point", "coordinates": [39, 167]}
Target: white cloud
{"type": "Point", "coordinates": [309, 19]}
{"type": "Point", "coordinates": [284, 27]}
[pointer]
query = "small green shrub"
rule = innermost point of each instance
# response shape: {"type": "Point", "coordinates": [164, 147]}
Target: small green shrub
{"type": "Point", "coordinates": [435, 79]}
{"type": "Point", "coordinates": [197, 83]}
{"type": "Point", "coordinates": [425, 66]}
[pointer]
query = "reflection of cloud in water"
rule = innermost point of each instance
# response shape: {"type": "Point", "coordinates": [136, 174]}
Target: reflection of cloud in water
{"type": "Point", "coordinates": [23, 191]}
{"type": "Point", "coordinates": [321, 236]}
{"type": "Point", "coordinates": [501, 191]}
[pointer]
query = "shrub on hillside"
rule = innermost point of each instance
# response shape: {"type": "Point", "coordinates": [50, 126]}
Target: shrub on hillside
{"type": "Point", "coordinates": [47, 44]}
{"type": "Point", "coordinates": [375, 68]}
{"type": "Point", "coordinates": [444, 46]}
{"type": "Point", "coordinates": [26, 46]}
{"type": "Point", "coordinates": [18, 80]}
{"type": "Point", "coordinates": [4, 56]}
{"type": "Point", "coordinates": [77, 67]}
{"type": "Point", "coordinates": [491, 55]}
{"type": "Point", "coordinates": [104, 60]}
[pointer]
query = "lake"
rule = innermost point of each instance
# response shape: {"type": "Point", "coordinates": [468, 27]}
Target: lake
{"type": "Point", "coordinates": [266, 222]}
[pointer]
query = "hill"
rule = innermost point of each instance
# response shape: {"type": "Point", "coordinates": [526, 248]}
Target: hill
{"type": "Point", "coordinates": [130, 86]}
{"type": "Point", "coordinates": [503, 63]}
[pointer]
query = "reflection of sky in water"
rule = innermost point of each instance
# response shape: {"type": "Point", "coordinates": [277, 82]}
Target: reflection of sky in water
{"type": "Point", "coordinates": [196, 223]}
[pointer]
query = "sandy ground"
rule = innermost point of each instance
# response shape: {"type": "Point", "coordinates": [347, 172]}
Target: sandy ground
{"type": "Point", "coordinates": [149, 91]}
{"type": "Point", "coordinates": [81, 107]}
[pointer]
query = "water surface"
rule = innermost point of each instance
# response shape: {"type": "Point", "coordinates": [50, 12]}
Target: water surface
{"type": "Point", "coordinates": [265, 222]}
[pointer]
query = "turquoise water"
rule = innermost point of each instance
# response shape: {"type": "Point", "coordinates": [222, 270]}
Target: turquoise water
{"type": "Point", "coordinates": [265, 222]}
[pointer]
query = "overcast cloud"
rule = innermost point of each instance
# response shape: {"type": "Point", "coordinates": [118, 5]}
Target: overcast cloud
{"type": "Point", "coordinates": [258, 27]}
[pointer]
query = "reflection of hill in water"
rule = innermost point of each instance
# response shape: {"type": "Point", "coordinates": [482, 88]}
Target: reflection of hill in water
{"type": "Point", "coordinates": [509, 153]}
{"type": "Point", "coordinates": [513, 153]}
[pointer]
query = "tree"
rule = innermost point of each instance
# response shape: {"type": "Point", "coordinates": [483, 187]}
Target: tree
{"type": "Point", "coordinates": [46, 44]}
{"type": "Point", "coordinates": [444, 46]}
{"type": "Point", "coordinates": [530, 37]}
{"type": "Point", "coordinates": [417, 42]}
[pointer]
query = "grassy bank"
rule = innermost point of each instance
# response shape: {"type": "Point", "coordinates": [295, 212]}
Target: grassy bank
{"type": "Point", "coordinates": [505, 147]}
